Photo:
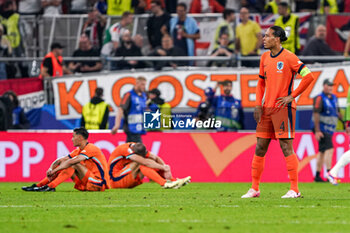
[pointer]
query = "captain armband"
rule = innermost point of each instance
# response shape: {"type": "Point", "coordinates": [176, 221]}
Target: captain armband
{"type": "Point", "coordinates": [305, 71]}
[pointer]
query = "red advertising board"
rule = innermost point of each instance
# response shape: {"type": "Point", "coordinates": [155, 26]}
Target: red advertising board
{"type": "Point", "coordinates": [207, 157]}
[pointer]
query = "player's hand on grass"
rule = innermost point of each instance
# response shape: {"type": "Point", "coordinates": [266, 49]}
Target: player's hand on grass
{"type": "Point", "coordinates": [283, 101]}
{"type": "Point", "coordinates": [318, 135]}
{"type": "Point", "coordinates": [257, 113]}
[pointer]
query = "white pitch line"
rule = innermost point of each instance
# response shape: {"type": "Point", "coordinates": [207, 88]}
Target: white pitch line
{"type": "Point", "coordinates": [179, 221]}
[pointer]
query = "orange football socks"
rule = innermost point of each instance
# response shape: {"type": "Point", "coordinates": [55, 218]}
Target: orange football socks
{"type": "Point", "coordinates": [258, 165]}
{"type": "Point", "coordinates": [152, 174]}
{"type": "Point", "coordinates": [43, 182]}
{"type": "Point", "coordinates": [64, 175]}
{"type": "Point", "coordinates": [292, 167]}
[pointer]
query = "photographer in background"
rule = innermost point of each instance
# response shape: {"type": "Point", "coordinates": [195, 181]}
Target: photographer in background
{"type": "Point", "coordinates": [19, 119]}
{"type": "Point", "coordinates": [205, 109]}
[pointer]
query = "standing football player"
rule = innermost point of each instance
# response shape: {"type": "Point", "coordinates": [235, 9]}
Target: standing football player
{"type": "Point", "coordinates": [275, 116]}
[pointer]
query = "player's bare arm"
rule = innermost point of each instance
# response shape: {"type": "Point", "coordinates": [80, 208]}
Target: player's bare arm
{"type": "Point", "coordinates": [66, 164]}
{"type": "Point", "coordinates": [318, 132]}
{"type": "Point", "coordinates": [55, 164]}
{"type": "Point", "coordinates": [149, 163]}
{"type": "Point", "coordinates": [260, 89]}
{"type": "Point", "coordinates": [117, 121]}
{"type": "Point", "coordinates": [156, 158]}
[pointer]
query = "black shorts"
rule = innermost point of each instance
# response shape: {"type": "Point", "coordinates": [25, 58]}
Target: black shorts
{"type": "Point", "coordinates": [325, 143]}
{"type": "Point", "coordinates": [133, 137]}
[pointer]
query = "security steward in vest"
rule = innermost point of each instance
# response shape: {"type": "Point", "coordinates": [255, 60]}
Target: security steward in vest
{"type": "Point", "coordinates": [52, 65]}
{"type": "Point", "coordinates": [329, 7]}
{"type": "Point", "coordinates": [290, 23]}
{"type": "Point", "coordinates": [325, 117]}
{"type": "Point", "coordinates": [131, 108]}
{"type": "Point", "coordinates": [272, 7]}
{"type": "Point", "coordinates": [95, 113]}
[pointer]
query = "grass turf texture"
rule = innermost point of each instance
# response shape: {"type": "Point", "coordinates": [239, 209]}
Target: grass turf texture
{"type": "Point", "coordinates": [197, 207]}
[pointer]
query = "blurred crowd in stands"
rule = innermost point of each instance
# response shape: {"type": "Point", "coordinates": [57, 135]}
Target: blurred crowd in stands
{"type": "Point", "coordinates": [168, 35]}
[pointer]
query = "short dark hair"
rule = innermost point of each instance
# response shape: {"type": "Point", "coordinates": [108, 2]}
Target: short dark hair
{"type": "Point", "coordinates": [139, 149]}
{"type": "Point", "coordinates": [225, 33]}
{"type": "Point", "coordinates": [227, 12]}
{"type": "Point", "coordinates": [279, 32]}
{"type": "Point", "coordinates": [226, 82]}
{"type": "Point", "coordinates": [126, 14]}
{"type": "Point", "coordinates": [183, 5]}
{"type": "Point", "coordinates": [81, 131]}
{"type": "Point", "coordinates": [99, 92]}
{"type": "Point", "coordinates": [283, 4]}
{"type": "Point", "coordinates": [56, 45]}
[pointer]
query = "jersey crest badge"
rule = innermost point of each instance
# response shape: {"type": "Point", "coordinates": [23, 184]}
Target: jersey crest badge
{"type": "Point", "coordinates": [280, 65]}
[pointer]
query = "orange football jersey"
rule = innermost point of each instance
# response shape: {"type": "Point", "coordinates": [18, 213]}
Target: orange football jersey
{"type": "Point", "coordinates": [279, 72]}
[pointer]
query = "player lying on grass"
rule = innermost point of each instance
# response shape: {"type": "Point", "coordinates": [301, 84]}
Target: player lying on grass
{"type": "Point", "coordinates": [130, 162]}
{"type": "Point", "coordinates": [86, 165]}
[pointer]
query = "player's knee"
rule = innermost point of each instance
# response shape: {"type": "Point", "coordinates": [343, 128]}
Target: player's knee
{"type": "Point", "coordinates": [260, 149]}
{"type": "Point", "coordinates": [287, 149]}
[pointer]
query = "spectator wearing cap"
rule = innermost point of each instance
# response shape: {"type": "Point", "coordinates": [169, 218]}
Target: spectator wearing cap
{"type": "Point", "coordinates": [157, 24]}
{"type": "Point", "coordinates": [5, 51]}
{"type": "Point", "coordinates": [205, 109]}
{"type": "Point", "coordinates": [52, 65]}
{"type": "Point", "coordinates": [325, 117]}
{"type": "Point", "coordinates": [85, 50]}
{"type": "Point", "coordinates": [154, 99]}
{"type": "Point", "coordinates": [95, 113]}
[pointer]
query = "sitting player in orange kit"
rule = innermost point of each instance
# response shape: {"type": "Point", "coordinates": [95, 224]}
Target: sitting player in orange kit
{"type": "Point", "coordinates": [130, 162]}
{"type": "Point", "coordinates": [86, 165]}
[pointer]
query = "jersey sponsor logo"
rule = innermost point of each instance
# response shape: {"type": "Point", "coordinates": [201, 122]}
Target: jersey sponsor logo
{"type": "Point", "coordinates": [280, 65]}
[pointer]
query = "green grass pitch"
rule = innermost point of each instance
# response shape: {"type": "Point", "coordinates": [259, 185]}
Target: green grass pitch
{"type": "Point", "coordinates": [197, 207]}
